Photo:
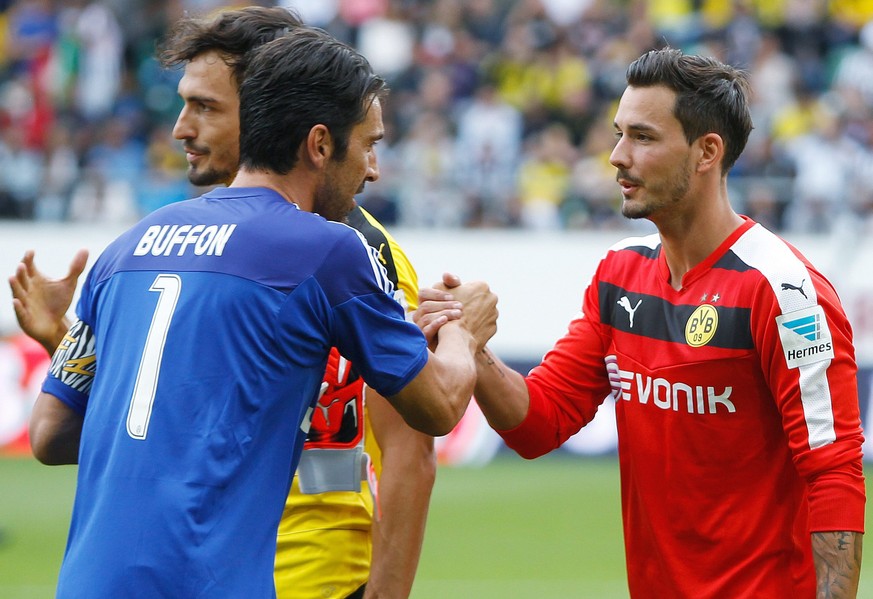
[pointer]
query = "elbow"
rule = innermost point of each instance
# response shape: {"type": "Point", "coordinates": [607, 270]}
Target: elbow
{"type": "Point", "coordinates": [435, 406]}
{"type": "Point", "coordinates": [439, 419]}
{"type": "Point", "coordinates": [435, 425]}
{"type": "Point", "coordinates": [531, 455]}
{"type": "Point", "coordinates": [451, 414]}
{"type": "Point", "coordinates": [429, 415]}
{"type": "Point", "coordinates": [46, 458]}
{"type": "Point", "coordinates": [40, 445]}
{"type": "Point", "coordinates": [528, 451]}
{"type": "Point", "coordinates": [48, 449]}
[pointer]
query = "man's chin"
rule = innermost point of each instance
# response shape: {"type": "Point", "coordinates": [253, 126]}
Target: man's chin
{"type": "Point", "coordinates": [205, 178]}
{"type": "Point", "coordinates": [634, 210]}
{"type": "Point", "coordinates": [343, 217]}
{"type": "Point", "coordinates": [198, 178]}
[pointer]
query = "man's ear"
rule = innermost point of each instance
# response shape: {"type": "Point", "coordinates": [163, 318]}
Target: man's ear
{"type": "Point", "coordinates": [319, 145]}
{"type": "Point", "coordinates": [711, 151]}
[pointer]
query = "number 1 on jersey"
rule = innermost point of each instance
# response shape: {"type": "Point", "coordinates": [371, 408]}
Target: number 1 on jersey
{"type": "Point", "coordinates": [169, 287]}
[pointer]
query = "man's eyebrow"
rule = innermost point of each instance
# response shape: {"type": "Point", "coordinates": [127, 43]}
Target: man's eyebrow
{"type": "Point", "coordinates": [636, 127]}
{"type": "Point", "coordinates": [199, 98]}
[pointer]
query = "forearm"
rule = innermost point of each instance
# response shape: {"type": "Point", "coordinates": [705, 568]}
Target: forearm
{"type": "Point", "coordinates": [398, 533]}
{"type": "Point", "coordinates": [500, 392]}
{"type": "Point", "coordinates": [405, 484]}
{"type": "Point", "coordinates": [434, 401]}
{"type": "Point", "coordinates": [837, 557]}
{"type": "Point", "coordinates": [55, 431]}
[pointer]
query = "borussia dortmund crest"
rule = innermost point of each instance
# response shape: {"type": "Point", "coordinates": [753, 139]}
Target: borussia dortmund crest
{"type": "Point", "coordinates": [701, 326]}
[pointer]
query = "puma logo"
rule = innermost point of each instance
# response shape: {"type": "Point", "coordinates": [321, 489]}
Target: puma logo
{"type": "Point", "coordinates": [381, 257]}
{"type": "Point", "coordinates": [624, 302]}
{"type": "Point", "coordinates": [325, 409]}
{"type": "Point", "coordinates": [787, 286]}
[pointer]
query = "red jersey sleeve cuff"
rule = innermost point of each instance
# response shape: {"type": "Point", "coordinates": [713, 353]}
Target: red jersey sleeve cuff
{"type": "Point", "coordinates": [531, 438]}
{"type": "Point", "coordinates": [837, 501]}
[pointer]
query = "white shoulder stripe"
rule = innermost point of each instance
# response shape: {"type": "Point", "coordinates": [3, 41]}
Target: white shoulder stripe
{"type": "Point", "coordinates": [802, 327]}
{"type": "Point", "coordinates": [380, 274]}
{"type": "Point", "coordinates": [787, 274]}
{"type": "Point", "coordinates": [650, 241]}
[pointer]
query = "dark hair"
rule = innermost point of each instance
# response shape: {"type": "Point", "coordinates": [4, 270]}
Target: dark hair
{"type": "Point", "coordinates": [232, 33]}
{"type": "Point", "coordinates": [711, 97]}
{"type": "Point", "coordinates": [295, 82]}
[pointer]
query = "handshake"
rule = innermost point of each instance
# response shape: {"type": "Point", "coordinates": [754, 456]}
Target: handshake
{"type": "Point", "coordinates": [470, 305]}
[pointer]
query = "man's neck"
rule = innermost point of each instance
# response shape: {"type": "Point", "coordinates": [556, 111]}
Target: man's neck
{"type": "Point", "coordinates": [690, 238]}
{"type": "Point", "coordinates": [293, 189]}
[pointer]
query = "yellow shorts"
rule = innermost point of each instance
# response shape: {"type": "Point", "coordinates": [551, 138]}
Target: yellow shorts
{"type": "Point", "coordinates": [321, 564]}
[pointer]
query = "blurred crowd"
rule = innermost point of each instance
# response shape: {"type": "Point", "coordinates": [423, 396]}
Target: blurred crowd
{"type": "Point", "coordinates": [500, 112]}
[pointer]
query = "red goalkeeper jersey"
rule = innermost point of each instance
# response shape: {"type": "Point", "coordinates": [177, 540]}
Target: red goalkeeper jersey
{"type": "Point", "coordinates": [737, 413]}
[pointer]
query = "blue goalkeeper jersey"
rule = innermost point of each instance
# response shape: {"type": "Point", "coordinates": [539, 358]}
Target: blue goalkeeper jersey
{"type": "Point", "coordinates": [201, 344]}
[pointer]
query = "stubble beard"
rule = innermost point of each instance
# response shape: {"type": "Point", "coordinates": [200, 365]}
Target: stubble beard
{"type": "Point", "coordinates": [208, 177]}
{"type": "Point", "coordinates": [328, 203]}
{"type": "Point", "coordinates": [663, 197]}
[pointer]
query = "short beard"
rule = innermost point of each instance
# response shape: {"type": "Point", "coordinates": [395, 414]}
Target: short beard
{"type": "Point", "coordinates": [676, 189]}
{"type": "Point", "coordinates": [324, 203]}
{"type": "Point", "coordinates": [208, 178]}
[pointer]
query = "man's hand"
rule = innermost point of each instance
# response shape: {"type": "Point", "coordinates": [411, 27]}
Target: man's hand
{"type": "Point", "coordinates": [40, 303]}
{"type": "Point", "coordinates": [473, 303]}
{"type": "Point", "coordinates": [435, 308]}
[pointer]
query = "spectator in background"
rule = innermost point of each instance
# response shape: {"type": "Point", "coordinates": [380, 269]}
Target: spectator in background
{"type": "Point", "coordinates": [163, 181]}
{"type": "Point", "coordinates": [21, 174]}
{"type": "Point", "coordinates": [861, 193]}
{"type": "Point", "coordinates": [388, 42]}
{"type": "Point", "coordinates": [551, 60]}
{"type": "Point", "coordinates": [773, 77]}
{"type": "Point", "coordinates": [426, 166]}
{"type": "Point", "coordinates": [113, 168]}
{"type": "Point", "coordinates": [854, 70]}
{"type": "Point", "coordinates": [61, 174]}
{"type": "Point", "coordinates": [544, 178]}
{"type": "Point", "coordinates": [33, 28]}
{"type": "Point", "coordinates": [798, 117]}
{"type": "Point", "coordinates": [96, 200]}
{"type": "Point", "coordinates": [824, 161]}
{"type": "Point", "coordinates": [318, 13]}
{"type": "Point", "coordinates": [99, 60]}
{"type": "Point", "coordinates": [593, 197]}
{"type": "Point", "coordinates": [489, 149]}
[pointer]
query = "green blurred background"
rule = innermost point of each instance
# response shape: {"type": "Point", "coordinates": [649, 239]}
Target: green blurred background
{"type": "Point", "coordinates": [512, 530]}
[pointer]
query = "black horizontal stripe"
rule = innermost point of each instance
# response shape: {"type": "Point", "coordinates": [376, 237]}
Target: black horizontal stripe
{"type": "Point", "coordinates": [656, 318]}
{"type": "Point", "coordinates": [644, 250]}
{"type": "Point", "coordinates": [730, 261]}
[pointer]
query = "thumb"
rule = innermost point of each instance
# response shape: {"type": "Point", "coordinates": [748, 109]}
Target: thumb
{"type": "Point", "coordinates": [78, 263]}
{"type": "Point", "coordinates": [450, 280]}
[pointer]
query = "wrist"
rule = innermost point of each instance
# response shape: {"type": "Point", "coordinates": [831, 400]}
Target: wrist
{"type": "Point", "coordinates": [484, 358]}
{"type": "Point", "coordinates": [52, 342]}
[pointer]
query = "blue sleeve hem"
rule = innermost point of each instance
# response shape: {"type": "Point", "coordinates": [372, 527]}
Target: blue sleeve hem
{"type": "Point", "coordinates": [75, 400]}
{"type": "Point", "coordinates": [410, 374]}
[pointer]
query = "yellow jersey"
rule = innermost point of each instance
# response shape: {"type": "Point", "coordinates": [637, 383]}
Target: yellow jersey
{"type": "Point", "coordinates": [323, 548]}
